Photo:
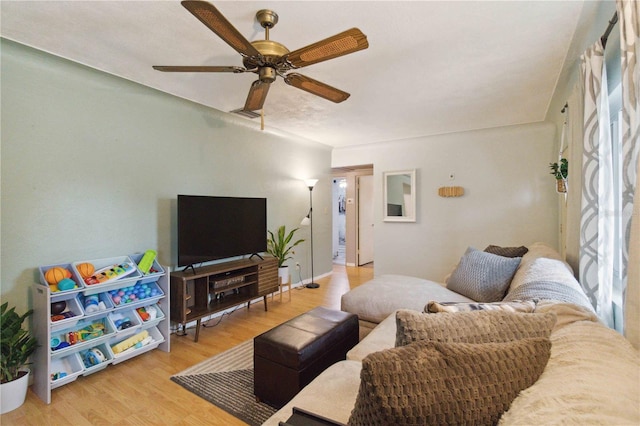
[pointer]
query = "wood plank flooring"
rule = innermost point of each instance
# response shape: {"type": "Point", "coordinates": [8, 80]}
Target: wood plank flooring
{"type": "Point", "coordinates": [140, 392]}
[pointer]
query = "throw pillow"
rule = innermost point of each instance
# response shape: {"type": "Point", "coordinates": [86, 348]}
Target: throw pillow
{"type": "Point", "coordinates": [515, 306]}
{"type": "Point", "coordinates": [483, 277]}
{"type": "Point", "coordinates": [507, 251]}
{"type": "Point", "coordinates": [471, 327]}
{"type": "Point", "coordinates": [446, 383]}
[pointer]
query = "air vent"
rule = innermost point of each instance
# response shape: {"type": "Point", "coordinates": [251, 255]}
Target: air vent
{"type": "Point", "coordinates": [245, 113]}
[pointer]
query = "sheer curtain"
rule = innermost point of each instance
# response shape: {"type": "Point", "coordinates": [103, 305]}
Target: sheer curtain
{"type": "Point", "coordinates": [596, 261]}
{"type": "Point", "coordinates": [629, 21]}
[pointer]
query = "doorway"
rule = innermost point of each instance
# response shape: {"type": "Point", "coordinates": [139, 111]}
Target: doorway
{"type": "Point", "coordinates": [339, 220]}
{"type": "Point", "coordinates": [347, 239]}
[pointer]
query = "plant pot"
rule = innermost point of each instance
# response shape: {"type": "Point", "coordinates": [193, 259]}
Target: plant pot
{"type": "Point", "coordinates": [283, 274]}
{"type": "Point", "coordinates": [561, 186]}
{"type": "Point", "coordinates": [13, 394]}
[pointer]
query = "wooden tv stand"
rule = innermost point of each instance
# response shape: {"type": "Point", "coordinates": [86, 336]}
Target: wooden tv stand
{"type": "Point", "coordinates": [199, 292]}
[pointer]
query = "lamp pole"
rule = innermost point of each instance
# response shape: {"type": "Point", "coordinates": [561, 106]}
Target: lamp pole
{"type": "Point", "coordinates": [310, 184]}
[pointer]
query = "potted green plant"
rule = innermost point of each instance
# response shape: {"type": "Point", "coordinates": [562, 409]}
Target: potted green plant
{"type": "Point", "coordinates": [17, 345]}
{"type": "Point", "coordinates": [279, 245]}
{"type": "Point", "coordinates": [560, 171]}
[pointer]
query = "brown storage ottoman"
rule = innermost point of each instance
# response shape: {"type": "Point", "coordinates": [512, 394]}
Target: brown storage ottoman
{"type": "Point", "coordinates": [289, 356]}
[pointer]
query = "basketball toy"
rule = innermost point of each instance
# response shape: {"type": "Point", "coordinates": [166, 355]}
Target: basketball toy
{"type": "Point", "coordinates": [85, 269]}
{"type": "Point", "coordinates": [55, 275]}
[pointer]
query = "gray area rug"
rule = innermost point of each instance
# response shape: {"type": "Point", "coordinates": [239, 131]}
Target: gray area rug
{"type": "Point", "coordinates": [226, 380]}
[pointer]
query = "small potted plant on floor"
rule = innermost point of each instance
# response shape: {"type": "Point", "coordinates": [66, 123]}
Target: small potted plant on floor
{"type": "Point", "coordinates": [560, 171]}
{"type": "Point", "coordinates": [17, 345]}
{"type": "Point", "coordinates": [279, 245]}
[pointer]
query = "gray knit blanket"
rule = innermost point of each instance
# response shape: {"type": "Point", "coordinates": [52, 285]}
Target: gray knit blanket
{"type": "Point", "coordinates": [549, 290]}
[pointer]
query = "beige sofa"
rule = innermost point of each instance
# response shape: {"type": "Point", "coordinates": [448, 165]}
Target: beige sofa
{"type": "Point", "coordinates": [592, 376]}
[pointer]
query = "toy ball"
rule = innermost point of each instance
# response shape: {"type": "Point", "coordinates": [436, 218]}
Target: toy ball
{"type": "Point", "coordinates": [58, 307]}
{"type": "Point", "coordinates": [85, 269]}
{"type": "Point", "coordinates": [66, 284]}
{"type": "Point", "coordinates": [53, 288]}
{"type": "Point", "coordinates": [56, 274]}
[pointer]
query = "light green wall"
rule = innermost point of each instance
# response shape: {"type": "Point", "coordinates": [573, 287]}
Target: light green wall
{"type": "Point", "coordinates": [509, 196]}
{"type": "Point", "coordinates": [91, 166]}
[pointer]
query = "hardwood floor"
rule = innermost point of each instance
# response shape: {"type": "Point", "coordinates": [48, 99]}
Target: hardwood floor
{"type": "Point", "coordinates": [140, 392]}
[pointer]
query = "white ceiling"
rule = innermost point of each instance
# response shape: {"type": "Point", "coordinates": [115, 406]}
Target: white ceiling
{"type": "Point", "coordinates": [432, 67]}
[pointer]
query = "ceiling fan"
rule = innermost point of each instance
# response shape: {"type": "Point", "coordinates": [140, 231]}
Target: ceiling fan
{"type": "Point", "coordinates": [270, 59]}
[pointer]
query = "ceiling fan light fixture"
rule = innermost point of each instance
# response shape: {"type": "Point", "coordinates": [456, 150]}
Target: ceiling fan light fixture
{"type": "Point", "coordinates": [267, 74]}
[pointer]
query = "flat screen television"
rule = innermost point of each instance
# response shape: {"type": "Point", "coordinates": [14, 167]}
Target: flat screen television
{"type": "Point", "coordinates": [212, 228]}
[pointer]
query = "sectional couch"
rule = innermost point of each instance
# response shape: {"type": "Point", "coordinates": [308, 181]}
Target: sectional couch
{"type": "Point", "coordinates": [541, 339]}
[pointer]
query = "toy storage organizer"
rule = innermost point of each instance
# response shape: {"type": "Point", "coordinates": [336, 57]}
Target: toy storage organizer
{"type": "Point", "coordinates": [84, 329]}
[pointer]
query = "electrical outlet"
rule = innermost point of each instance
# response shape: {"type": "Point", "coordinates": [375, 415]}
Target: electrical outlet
{"type": "Point", "coordinates": [298, 265]}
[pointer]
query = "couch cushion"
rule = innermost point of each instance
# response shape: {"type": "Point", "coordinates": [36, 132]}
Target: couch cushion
{"type": "Point", "coordinates": [446, 383]}
{"type": "Point", "coordinates": [566, 313]}
{"type": "Point", "coordinates": [471, 327]}
{"type": "Point", "coordinates": [378, 298]}
{"type": "Point", "coordinates": [593, 377]}
{"type": "Point", "coordinates": [507, 251]}
{"type": "Point", "coordinates": [483, 277]}
{"type": "Point", "coordinates": [516, 306]}
{"type": "Point", "coordinates": [332, 394]}
{"type": "Point", "coordinates": [380, 338]}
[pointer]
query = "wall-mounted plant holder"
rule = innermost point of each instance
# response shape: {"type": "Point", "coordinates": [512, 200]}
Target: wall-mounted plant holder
{"type": "Point", "coordinates": [451, 191]}
{"type": "Point", "coordinates": [560, 171]}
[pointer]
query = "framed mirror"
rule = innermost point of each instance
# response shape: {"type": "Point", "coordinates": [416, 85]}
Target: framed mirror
{"type": "Point", "coordinates": [399, 196]}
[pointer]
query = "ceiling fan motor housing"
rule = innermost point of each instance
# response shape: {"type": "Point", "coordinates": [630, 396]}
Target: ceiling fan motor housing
{"type": "Point", "coordinates": [272, 53]}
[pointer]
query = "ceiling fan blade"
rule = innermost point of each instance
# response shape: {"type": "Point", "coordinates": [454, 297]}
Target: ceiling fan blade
{"type": "Point", "coordinates": [257, 96]}
{"type": "Point", "coordinates": [340, 44]}
{"type": "Point", "coordinates": [216, 22]}
{"type": "Point", "coordinates": [315, 87]}
{"type": "Point", "coordinates": [197, 68]}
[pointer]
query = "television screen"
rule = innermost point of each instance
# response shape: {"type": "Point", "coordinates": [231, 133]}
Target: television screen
{"type": "Point", "coordinates": [211, 228]}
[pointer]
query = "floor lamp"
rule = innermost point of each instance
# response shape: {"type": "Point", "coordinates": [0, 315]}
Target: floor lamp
{"type": "Point", "coordinates": [308, 220]}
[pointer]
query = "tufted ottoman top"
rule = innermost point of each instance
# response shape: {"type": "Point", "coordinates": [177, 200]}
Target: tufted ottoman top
{"type": "Point", "coordinates": [305, 338]}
